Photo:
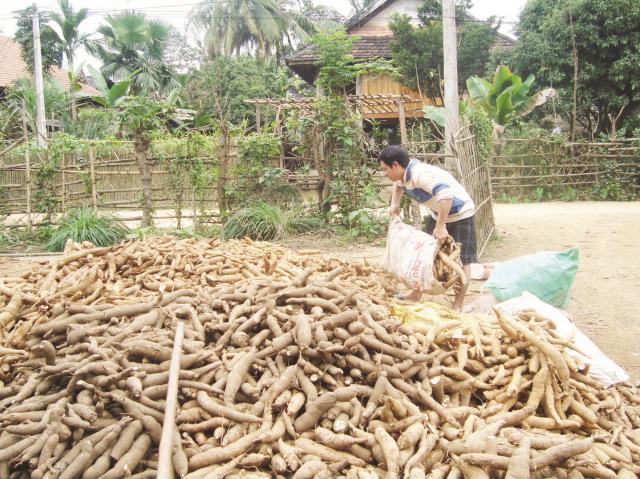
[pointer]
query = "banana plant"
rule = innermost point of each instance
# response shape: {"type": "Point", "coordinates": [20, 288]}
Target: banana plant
{"type": "Point", "coordinates": [112, 95]}
{"type": "Point", "coordinates": [507, 97]}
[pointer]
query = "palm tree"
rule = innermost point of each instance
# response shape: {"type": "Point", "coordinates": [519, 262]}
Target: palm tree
{"type": "Point", "coordinates": [71, 40]}
{"type": "Point", "coordinates": [132, 46]}
{"type": "Point", "coordinates": [264, 26]}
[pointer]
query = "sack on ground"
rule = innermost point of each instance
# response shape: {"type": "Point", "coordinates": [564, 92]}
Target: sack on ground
{"type": "Point", "coordinates": [548, 275]}
{"type": "Point", "coordinates": [409, 256]}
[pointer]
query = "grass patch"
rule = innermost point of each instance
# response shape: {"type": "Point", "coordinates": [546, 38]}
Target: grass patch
{"type": "Point", "coordinates": [267, 222]}
{"type": "Point", "coordinates": [85, 224]}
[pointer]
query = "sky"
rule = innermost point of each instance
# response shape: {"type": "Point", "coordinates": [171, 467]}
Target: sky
{"type": "Point", "coordinates": [175, 11]}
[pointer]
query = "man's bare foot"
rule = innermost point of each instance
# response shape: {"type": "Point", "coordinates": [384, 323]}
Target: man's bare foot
{"type": "Point", "coordinates": [411, 296]}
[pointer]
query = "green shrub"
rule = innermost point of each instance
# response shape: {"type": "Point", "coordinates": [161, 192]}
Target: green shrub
{"type": "Point", "coordinates": [267, 222]}
{"type": "Point", "coordinates": [85, 224]}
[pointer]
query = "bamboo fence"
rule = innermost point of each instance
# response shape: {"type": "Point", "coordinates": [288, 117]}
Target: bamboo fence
{"type": "Point", "coordinates": [106, 176]}
{"type": "Point", "coordinates": [534, 166]}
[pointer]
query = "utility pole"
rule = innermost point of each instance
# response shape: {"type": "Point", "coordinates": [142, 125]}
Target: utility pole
{"type": "Point", "coordinates": [41, 128]}
{"type": "Point", "coordinates": [452, 120]}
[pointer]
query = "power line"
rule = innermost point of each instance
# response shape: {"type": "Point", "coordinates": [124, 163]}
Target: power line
{"type": "Point", "coordinates": [166, 11]}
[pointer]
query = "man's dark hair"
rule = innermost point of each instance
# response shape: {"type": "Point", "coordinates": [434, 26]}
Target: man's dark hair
{"type": "Point", "coordinates": [394, 153]}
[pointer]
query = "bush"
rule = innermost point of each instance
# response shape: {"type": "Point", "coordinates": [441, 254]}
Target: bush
{"type": "Point", "coordinates": [95, 123]}
{"type": "Point", "coordinates": [85, 224]}
{"type": "Point", "coordinates": [266, 222]}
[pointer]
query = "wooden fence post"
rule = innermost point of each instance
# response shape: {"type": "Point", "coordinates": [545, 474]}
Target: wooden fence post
{"type": "Point", "coordinates": [94, 191]}
{"type": "Point", "coordinates": [279, 133]}
{"type": "Point", "coordinates": [222, 172]}
{"type": "Point", "coordinates": [403, 123]}
{"type": "Point", "coordinates": [64, 180]}
{"type": "Point", "coordinates": [27, 180]}
{"type": "Point", "coordinates": [27, 164]}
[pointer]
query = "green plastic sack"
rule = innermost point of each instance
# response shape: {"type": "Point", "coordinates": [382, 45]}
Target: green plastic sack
{"type": "Point", "coordinates": [547, 275]}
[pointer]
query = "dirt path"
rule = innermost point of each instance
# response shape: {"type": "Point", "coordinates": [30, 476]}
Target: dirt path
{"type": "Point", "coordinates": [604, 302]}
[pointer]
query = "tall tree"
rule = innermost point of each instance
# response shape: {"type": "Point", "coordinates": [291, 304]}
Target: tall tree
{"type": "Point", "coordinates": [68, 32]}
{"type": "Point", "coordinates": [51, 47]}
{"type": "Point", "coordinates": [179, 55]}
{"type": "Point", "coordinates": [418, 51]}
{"type": "Point", "coordinates": [608, 45]}
{"type": "Point", "coordinates": [220, 87]}
{"type": "Point", "coordinates": [218, 91]}
{"type": "Point", "coordinates": [134, 46]}
{"type": "Point", "coordinates": [265, 27]}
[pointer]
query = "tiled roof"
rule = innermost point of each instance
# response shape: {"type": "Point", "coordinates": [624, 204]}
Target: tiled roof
{"type": "Point", "coordinates": [13, 67]}
{"type": "Point", "coordinates": [503, 41]}
{"type": "Point", "coordinates": [363, 47]}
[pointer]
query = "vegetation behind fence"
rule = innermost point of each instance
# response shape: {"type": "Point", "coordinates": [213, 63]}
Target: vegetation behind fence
{"type": "Point", "coordinates": [185, 176]}
{"type": "Point", "coordinates": [544, 169]}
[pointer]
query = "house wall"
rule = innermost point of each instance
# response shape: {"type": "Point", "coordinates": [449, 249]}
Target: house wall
{"type": "Point", "coordinates": [386, 85]}
{"type": "Point", "coordinates": [379, 24]}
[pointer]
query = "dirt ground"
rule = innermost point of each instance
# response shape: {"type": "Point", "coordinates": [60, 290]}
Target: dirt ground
{"type": "Point", "coordinates": [604, 303]}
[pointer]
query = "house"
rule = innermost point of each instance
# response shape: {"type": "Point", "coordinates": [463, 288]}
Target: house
{"type": "Point", "coordinates": [371, 26]}
{"type": "Point", "coordinates": [13, 67]}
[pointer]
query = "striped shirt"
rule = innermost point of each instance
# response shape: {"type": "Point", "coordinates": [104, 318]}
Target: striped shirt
{"type": "Point", "coordinates": [428, 184]}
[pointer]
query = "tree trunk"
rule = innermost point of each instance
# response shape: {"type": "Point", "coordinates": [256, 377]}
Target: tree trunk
{"type": "Point", "coordinates": [324, 171]}
{"type": "Point", "coordinates": [574, 109]}
{"type": "Point", "coordinates": [72, 98]}
{"type": "Point", "coordinates": [223, 154]}
{"type": "Point", "coordinates": [141, 146]}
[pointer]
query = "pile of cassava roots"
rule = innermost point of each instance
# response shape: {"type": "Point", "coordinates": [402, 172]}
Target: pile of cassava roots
{"type": "Point", "coordinates": [287, 365]}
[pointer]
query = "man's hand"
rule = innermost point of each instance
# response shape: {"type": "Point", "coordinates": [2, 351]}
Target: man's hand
{"type": "Point", "coordinates": [440, 232]}
{"type": "Point", "coordinates": [394, 210]}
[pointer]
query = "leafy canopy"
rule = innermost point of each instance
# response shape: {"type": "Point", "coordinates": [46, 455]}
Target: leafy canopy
{"type": "Point", "coordinates": [222, 85]}
{"type": "Point", "coordinates": [418, 51]}
{"type": "Point", "coordinates": [67, 28]}
{"type": "Point", "coordinates": [607, 34]}
{"type": "Point", "coordinates": [133, 46]}
{"type": "Point", "coordinates": [264, 27]}
{"type": "Point", "coordinates": [50, 45]}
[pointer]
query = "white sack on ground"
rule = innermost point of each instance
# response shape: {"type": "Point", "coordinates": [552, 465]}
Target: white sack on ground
{"type": "Point", "coordinates": [601, 367]}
